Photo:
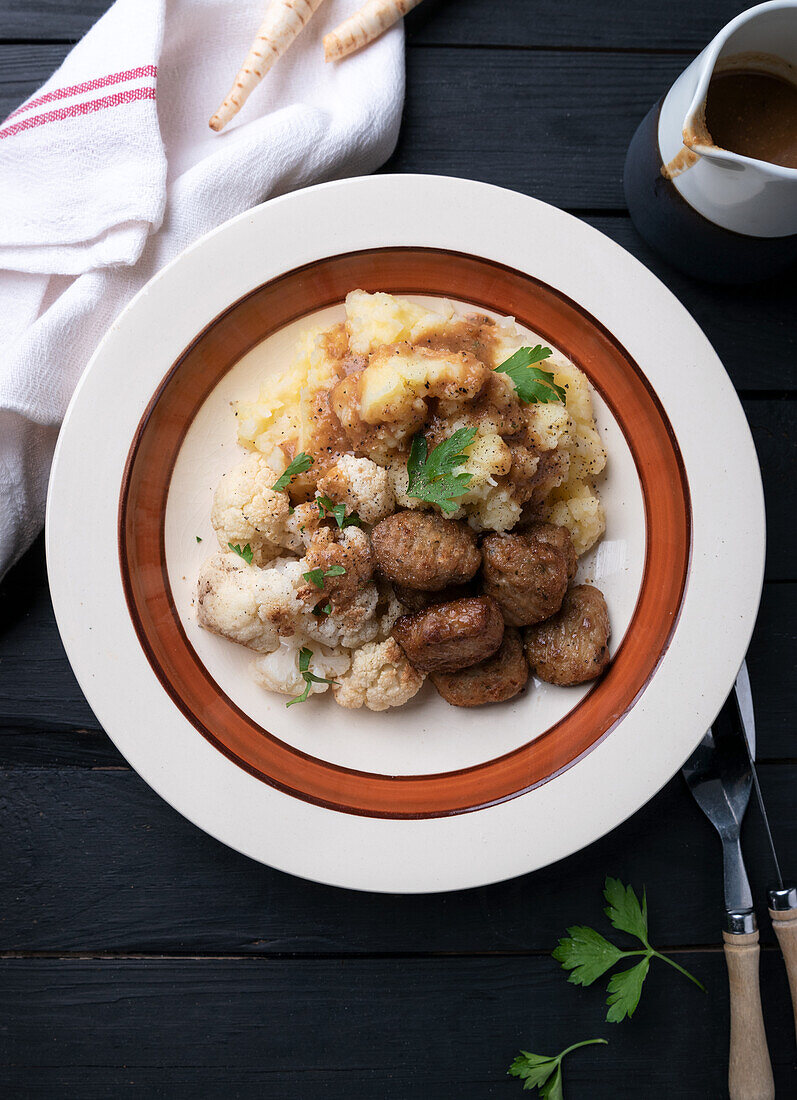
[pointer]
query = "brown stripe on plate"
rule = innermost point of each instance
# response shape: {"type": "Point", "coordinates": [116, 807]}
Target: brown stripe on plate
{"type": "Point", "coordinates": [145, 486]}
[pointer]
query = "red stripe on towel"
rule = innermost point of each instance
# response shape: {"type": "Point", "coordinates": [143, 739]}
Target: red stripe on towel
{"type": "Point", "coordinates": [86, 86]}
{"type": "Point", "coordinates": [76, 109]}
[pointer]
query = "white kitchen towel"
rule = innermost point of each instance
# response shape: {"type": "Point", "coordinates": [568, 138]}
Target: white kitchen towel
{"type": "Point", "coordinates": [110, 170]}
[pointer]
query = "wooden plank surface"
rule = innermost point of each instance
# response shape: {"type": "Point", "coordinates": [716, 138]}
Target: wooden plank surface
{"type": "Point", "coordinates": [289, 1030]}
{"type": "Point", "coordinates": [678, 25]}
{"type": "Point", "coordinates": [93, 860]}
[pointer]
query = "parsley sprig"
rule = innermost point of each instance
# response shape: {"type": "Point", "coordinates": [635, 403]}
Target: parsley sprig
{"type": "Point", "coordinates": [534, 386]}
{"type": "Point", "coordinates": [309, 678]}
{"type": "Point", "coordinates": [588, 955]}
{"type": "Point", "coordinates": [543, 1071]}
{"type": "Point", "coordinates": [247, 553]}
{"type": "Point", "coordinates": [328, 507]}
{"type": "Point", "coordinates": [316, 576]}
{"type": "Point", "coordinates": [432, 477]}
{"type": "Point", "coordinates": [300, 464]}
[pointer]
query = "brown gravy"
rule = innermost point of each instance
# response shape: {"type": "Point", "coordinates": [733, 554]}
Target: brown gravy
{"type": "Point", "coordinates": [755, 114]}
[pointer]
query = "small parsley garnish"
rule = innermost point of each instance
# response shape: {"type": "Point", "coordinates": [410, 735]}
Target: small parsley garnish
{"type": "Point", "coordinates": [544, 1072]}
{"type": "Point", "coordinates": [304, 668]}
{"type": "Point", "coordinates": [300, 464]}
{"type": "Point", "coordinates": [328, 507]}
{"type": "Point", "coordinates": [247, 553]}
{"type": "Point", "coordinates": [432, 477]}
{"type": "Point", "coordinates": [316, 576]}
{"type": "Point", "coordinates": [197, 538]}
{"type": "Point", "coordinates": [325, 610]}
{"type": "Point", "coordinates": [588, 955]}
{"type": "Point", "coordinates": [534, 386]}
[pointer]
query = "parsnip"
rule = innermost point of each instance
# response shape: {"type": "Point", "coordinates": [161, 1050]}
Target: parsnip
{"type": "Point", "coordinates": [364, 26]}
{"type": "Point", "coordinates": [283, 21]}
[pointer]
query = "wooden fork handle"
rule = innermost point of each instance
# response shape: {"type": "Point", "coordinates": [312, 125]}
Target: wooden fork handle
{"type": "Point", "coordinates": [785, 924]}
{"type": "Point", "coordinates": [749, 1069]}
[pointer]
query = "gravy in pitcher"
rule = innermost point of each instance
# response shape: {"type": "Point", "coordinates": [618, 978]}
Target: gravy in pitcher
{"type": "Point", "coordinates": [754, 114]}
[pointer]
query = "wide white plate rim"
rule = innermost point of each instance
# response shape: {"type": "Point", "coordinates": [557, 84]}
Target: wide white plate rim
{"type": "Point", "coordinates": [612, 781]}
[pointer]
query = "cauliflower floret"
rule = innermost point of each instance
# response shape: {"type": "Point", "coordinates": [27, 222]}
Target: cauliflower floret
{"type": "Point", "coordinates": [279, 671]}
{"type": "Point", "coordinates": [346, 563]}
{"type": "Point", "coordinates": [380, 677]}
{"type": "Point", "coordinates": [257, 607]}
{"type": "Point", "coordinates": [388, 610]}
{"type": "Point", "coordinates": [291, 608]}
{"type": "Point", "coordinates": [247, 510]}
{"type": "Point", "coordinates": [362, 486]}
{"type": "Point", "coordinates": [230, 596]}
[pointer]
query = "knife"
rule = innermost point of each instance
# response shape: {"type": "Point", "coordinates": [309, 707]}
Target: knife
{"type": "Point", "coordinates": [719, 776]}
{"type": "Point", "coordinates": [782, 899]}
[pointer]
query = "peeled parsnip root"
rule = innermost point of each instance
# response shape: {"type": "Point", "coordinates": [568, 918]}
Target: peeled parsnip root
{"type": "Point", "coordinates": [284, 20]}
{"type": "Point", "coordinates": [364, 26]}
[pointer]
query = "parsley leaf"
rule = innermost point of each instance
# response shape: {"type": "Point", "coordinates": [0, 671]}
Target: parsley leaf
{"type": "Point", "coordinates": [197, 538]}
{"type": "Point", "coordinates": [544, 1072]}
{"type": "Point", "coordinates": [625, 989]}
{"type": "Point", "coordinates": [534, 386]}
{"type": "Point", "coordinates": [552, 1089]}
{"type": "Point", "coordinates": [300, 464]}
{"type": "Point", "coordinates": [588, 955]}
{"type": "Point", "coordinates": [328, 507]}
{"type": "Point", "coordinates": [432, 477]}
{"type": "Point", "coordinates": [624, 911]}
{"type": "Point", "coordinates": [309, 678]}
{"type": "Point", "coordinates": [316, 576]}
{"type": "Point", "coordinates": [247, 553]}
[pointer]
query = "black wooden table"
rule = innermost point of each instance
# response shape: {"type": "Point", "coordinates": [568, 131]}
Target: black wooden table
{"type": "Point", "coordinates": [140, 956]}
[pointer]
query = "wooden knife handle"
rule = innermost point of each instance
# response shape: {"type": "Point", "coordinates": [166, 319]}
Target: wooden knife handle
{"type": "Point", "coordinates": [785, 924]}
{"type": "Point", "coordinates": [749, 1069]}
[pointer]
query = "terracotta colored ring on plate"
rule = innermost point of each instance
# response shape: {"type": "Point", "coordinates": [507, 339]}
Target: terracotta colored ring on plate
{"type": "Point", "coordinates": [491, 286]}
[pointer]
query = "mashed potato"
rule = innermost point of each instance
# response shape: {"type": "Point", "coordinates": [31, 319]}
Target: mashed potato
{"type": "Point", "coordinates": [406, 369]}
{"type": "Point", "coordinates": [353, 398]}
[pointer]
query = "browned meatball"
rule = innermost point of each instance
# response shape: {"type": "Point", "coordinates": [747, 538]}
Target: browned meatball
{"type": "Point", "coordinates": [452, 635]}
{"type": "Point", "coordinates": [527, 577]}
{"type": "Point", "coordinates": [415, 600]}
{"type": "Point", "coordinates": [554, 535]}
{"type": "Point", "coordinates": [571, 647]}
{"type": "Point", "coordinates": [498, 678]}
{"type": "Point", "coordinates": [424, 551]}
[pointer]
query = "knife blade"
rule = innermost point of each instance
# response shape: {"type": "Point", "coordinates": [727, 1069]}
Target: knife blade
{"type": "Point", "coordinates": [782, 899]}
{"type": "Point", "coordinates": [744, 704]}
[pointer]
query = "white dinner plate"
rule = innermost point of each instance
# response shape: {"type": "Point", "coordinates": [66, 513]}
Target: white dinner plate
{"type": "Point", "coordinates": [426, 797]}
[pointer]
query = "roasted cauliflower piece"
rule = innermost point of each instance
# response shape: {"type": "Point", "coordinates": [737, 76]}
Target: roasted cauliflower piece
{"type": "Point", "coordinates": [279, 671]}
{"type": "Point", "coordinates": [346, 564]}
{"type": "Point", "coordinates": [247, 511]}
{"type": "Point", "coordinates": [232, 597]}
{"type": "Point", "coordinates": [362, 486]}
{"type": "Point", "coordinates": [380, 677]}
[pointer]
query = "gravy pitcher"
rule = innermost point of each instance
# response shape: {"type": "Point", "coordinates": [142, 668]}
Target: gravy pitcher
{"type": "Point", "coordinates": [711, 174]}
